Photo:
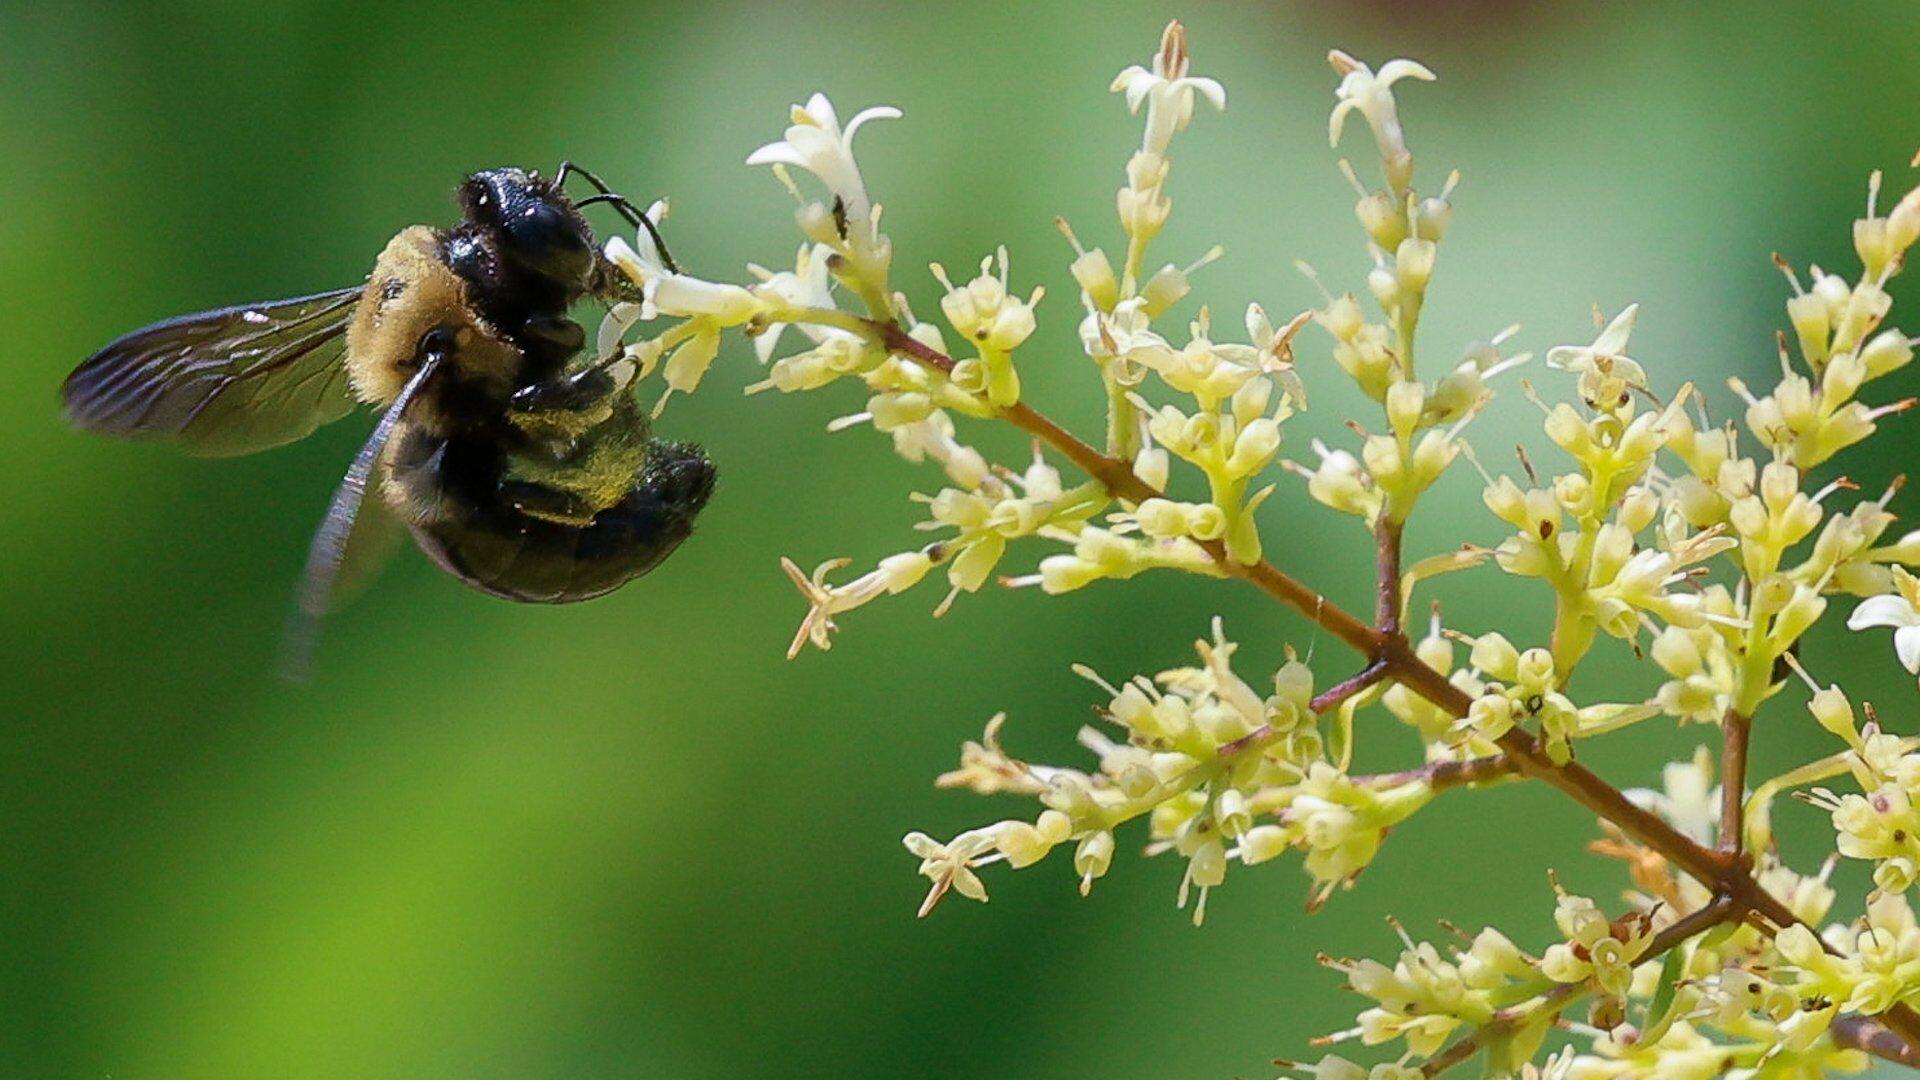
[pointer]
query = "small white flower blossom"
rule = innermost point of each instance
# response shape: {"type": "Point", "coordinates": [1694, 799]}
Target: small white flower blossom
{"type": "Point", "coordinates": [1167, 90]}
{"type": "Point", "coordinates": [896, 573]}
{"type": "Point", "coordinates": [808, 285]}
{"type": "Point", "coordinates": [950, 866]}
{"type": "Point", "coordinates": [668, 292]}
{"type": "Point", "coordinates": [815, 141]}
{"type": "Point", "coordinates": [1372, 94]}
{"type": "Point", "coordinates": [1899, 610]}
{"type": "Point", "coordinates": [1689, 798]}
{"type": "Point", "coordinates": [1607, 374]}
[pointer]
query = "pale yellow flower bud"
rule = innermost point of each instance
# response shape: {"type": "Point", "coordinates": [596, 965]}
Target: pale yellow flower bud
{"type": "Point", "coordinates": [1413, 264]}
{"type": "Point", "coordinates": [1405, 402]}
{"type": "Point", "coordinates": [1496, 656]}
{"type": "Point", "coordinates": [1095, 274]}
{"type": "Point", "coordinates": [1890, 350]}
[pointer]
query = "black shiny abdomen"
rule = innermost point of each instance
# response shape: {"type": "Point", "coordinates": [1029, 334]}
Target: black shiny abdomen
{"type": "Point", "coordinates": [458, 517]}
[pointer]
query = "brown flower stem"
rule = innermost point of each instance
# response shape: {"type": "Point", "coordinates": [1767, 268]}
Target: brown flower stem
{"type": "Point", "coordinates": [1441, 775]}
{"type": "Point", "coordinates": [1726, 873]}
{"type": "Point", "coordinates": [1862, 1033]}
{"type": "Point", "coordinates": [1332, 696]}
{"type": "Point", "coordinates": [1735, 732]}
{"type": "Point", "coordinates": [1387, 604]}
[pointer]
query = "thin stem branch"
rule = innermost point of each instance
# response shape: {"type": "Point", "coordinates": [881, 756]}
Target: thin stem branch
{"type": "Point", "coordinates": [1353, 684]}
{"type": "Point", "coordinates": [1864, 1033]}
{"type": "Point", "coordinates": [1441, 775]}
{"type": "Point", "coordinates": [1735, 731]}
{"type": "Point", "coordinates": [1725, 873]}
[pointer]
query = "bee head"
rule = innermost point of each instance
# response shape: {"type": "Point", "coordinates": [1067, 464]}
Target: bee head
{"type": "Point", "coordinates": [536, 227]}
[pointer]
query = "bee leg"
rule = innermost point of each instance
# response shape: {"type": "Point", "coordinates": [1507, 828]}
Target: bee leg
{"type": "Point", "coordinates": [550, 341]}
{"type": "Point", "coordinates": [576, 391]}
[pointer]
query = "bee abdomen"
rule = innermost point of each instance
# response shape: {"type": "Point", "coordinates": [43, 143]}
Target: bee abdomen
{"type": "Point", "coordinates": [460, 499]}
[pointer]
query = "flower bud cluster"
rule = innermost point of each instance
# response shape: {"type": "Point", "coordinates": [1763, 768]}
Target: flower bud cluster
{"type": "Point", "coordinates": [1878, 961]}
{"type": "Point", "coordinates": [1403, 231]}
{"type": "Point", "coordinates": [1880, 821]}
{"type": "Point", "coordinates": [1425, 996]}
{"type": "Point", "coordinates": [1224, 773]}
{"type": "Point", "coordinates": [1596, 947]}
{"type": "Point", "coordinates": [1836, 325]}
{"type": "Point", "coordinates": [1513, 687]}
{"type": "Point", "coordinates": [1231, 435]}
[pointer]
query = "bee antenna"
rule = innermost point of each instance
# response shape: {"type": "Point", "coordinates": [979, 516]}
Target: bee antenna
{"type": "Point", "coordinates": [619, 202]}
{"type": "Point", "coordinates": [635, 218]}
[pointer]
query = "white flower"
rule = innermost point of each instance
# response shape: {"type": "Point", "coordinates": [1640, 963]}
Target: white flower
{"type": "Point", "coordinates": [1167, 89]}
{"type": "Point", "coordinates": [807, 285]}
{"type": "Point", "coordinates": [1898, 610]}
{"type": "Point", "coordinates": [950, 865]}
{"type": "Point", "coordinates": [1606, 372]}
{"type": "Point", "coordinates": [816, 142]}
{"type": "Point", "coordinates": [983, 310]}
{"type": "Point", "coordinates": [1124, 335]}
{"type": "Point", "coordinates": [1690, 801]}
{"type": "Point", "coordinates": [1360, 88]}
{"type": "Point", "coordinates": [668, 292]}
{"type": "Point", "coordinates": [896, 573]}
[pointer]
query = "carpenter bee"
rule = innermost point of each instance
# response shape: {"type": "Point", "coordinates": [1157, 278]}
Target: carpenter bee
{"type": "Point", "coordinates": [521, 465]}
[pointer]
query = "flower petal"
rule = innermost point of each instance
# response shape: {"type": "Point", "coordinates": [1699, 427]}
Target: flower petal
{"type": "Point", "coordinates": [1211, 90]}
{"type": "Point", "coordinates": [1395, 70]}
{"type": "Point", "coordinates": [968, 884]}
{"type": "Point", "coordinates": [1613, 340]}
{"type": "Point", "coordinates": [777, 153]}
{"type": "Point", "coordinates": [1906, 645]}
{"type": "Point", "coordinates": [821, 111]}
{"type": "Point", "coordinates": [1135, 81]}
{"type": "Point", "coordinates": [1887, 609]}
{"type": "Point", "coordinates": [1338, 120]}
{"type": "Point", "coordinates": [872, 112]}
{"type": "Point", "coordinates": [1569, 357]}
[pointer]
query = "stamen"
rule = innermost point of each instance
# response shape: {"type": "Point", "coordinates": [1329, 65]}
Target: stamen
{"type": "Point", "coordinates": [1307, 271]}
{"type": "Point", "coordinates": [1066, 230]}
{"type": "Point", "coordinates": [1346, 170]}
{"type": "Point", "coordinates": [1780, 262]}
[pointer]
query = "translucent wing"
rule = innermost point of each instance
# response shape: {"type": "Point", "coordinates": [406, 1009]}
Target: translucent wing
{"type": "Point", "coordinates": [230, 381]}
{"type": "Point", "coordinates": [345, 545]}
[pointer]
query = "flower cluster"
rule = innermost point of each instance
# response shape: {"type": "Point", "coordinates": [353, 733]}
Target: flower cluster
{"type": "Point", "coordinates": [1222, 772]}
{"type": "Point", "coordinates": [1708, 549]}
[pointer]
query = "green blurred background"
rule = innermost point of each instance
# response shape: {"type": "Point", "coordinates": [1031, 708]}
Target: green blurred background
{"type": "Point", "coordinates": [628, 839]}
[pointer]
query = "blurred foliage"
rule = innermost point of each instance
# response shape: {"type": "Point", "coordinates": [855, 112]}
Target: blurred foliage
{"type": "Point", "coordinates": [626, 838]}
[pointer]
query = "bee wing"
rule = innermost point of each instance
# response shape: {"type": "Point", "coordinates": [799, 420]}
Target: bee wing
{"type": "Point", "coordinates": [230, 381]}
{"type": "Point", "coordinates": [376, 533]}
{"type": "Point", "coordinates": [338, 557]}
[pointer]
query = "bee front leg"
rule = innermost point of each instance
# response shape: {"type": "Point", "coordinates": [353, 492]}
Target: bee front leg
{"type": "Point", "coordinates": [578, 391]}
